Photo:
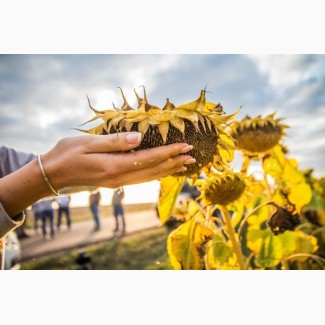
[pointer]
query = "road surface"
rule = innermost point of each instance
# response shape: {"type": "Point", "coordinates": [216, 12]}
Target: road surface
{"type": "Point", "coordinates": [82, 234]}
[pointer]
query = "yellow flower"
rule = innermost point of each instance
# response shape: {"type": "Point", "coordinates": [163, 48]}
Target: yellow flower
{"type": "Point", "coordinates": [199, 123]}
{"type": "Point", "coordinates": [257, 135]}
{"type": "Point", "coordinates": [222, 188]}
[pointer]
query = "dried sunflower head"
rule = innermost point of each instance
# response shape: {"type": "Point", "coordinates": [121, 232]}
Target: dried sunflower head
{"type": "Point", "coordinates": [257, 135]}
{"type": "Point", "coordinates": [222, 188]}
{"type": "Point", "coordinates": [199, 123]}
{"type": "Point", "coordinates": [283, 220]}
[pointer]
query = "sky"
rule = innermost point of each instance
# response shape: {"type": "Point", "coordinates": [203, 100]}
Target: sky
{"type": "Point", "coordinates": [43, 97]}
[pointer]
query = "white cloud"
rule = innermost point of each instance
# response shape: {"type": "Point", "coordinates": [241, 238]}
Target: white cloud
{"type": "Point", "coordinates": [284, 71]}
{"type": "Point", "coordinates": [43, 96]}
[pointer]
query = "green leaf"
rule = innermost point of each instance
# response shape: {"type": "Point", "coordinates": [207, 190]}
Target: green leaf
{"type": "Point", "coordinates": [267, 247]}
{"type": "Point", "coordinates": [270, 249]}
{"type": "Point", "coordinates": [220, 255]}
{"type": "Point", "coordinates": [316, 205]}
{"type": "Point", "coordinates": [170, 187]}
{"type": "Point", "coordinates": [306, 244]}
{"type": "Point", "coordinates": [186, 245]}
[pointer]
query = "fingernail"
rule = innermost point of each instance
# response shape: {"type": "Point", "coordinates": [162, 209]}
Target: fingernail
{"type": "Point", "coordinates": [190, 161]}
{"type": "Point", "coordinates": [187, 149]}
{"type": "Point", "coordinates": [133, 138]}
{"type": "Point", "coordinates": [181, 169]}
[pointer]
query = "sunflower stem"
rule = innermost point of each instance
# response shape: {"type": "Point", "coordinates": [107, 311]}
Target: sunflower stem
{"type": "Point", "coordinates": [208, 220]}
{"type": "Point", "coordinates": [242, 223]}
{"type": "Point", "coordinates": [245, 165]}
{"type": "Point", "coordinates": [268, 187]}
{"type": "Point", "coordinates": [230, 230]}
{"type": "Point", "coordinates": [208, 215]}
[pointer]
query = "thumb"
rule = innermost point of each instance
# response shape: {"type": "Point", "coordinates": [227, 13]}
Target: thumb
{"type": "Point", "coordinates": [113, 142]}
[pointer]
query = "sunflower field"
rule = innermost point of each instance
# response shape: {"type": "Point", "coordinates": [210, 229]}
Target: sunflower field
{"type": "Point", "coordinates": [238, 221]}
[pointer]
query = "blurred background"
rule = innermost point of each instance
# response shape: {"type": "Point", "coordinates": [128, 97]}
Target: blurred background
{"type": "Point", "coordinates": [43, 97]}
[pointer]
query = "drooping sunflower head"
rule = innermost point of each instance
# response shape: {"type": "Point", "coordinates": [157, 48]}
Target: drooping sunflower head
{"type": "Point", "coordinates": [283, 220]}
{"type": "Point", "coordinates": [199, 123]}
{"type": "Point", "coordinates": [257, 135]}
{"type": "Point", "coordinates": [222, 188]}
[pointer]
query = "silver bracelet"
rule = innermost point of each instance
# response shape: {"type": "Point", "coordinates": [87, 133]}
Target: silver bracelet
{"type": "Point", "coordinates": [45, 177]}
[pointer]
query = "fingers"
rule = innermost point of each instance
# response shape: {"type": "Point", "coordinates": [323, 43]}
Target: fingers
{"type": "Point", "coordinates": [113, 142]}
{"type": "Point", "coordinates": [162, 169]}
{"type": "Point", "coordinates": [101, 160]}
{"type": "Point", "coordinates": [119, 163]}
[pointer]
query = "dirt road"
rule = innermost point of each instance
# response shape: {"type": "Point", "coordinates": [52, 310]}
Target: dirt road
{"type": "Point", "coordinates": [82, 234]}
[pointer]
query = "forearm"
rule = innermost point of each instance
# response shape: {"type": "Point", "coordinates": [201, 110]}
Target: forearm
{"type": "Point", "coordinates": [92, 161]}
{"type": "Point", "coordinates": [21, 189]}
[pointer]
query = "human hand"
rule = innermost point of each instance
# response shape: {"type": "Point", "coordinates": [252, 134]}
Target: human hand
{"type": "Point", "coordinates": [97, 160]}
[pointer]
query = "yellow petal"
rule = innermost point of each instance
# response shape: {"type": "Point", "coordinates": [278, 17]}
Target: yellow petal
{"type": "Point", "coordinates": [189, 115]}
{"type": "Point", "coordinates": [143, 127]}
{"type": "Point", "coordinates": [209, 123]}
{"type": "Point", "coordinates": [128, 125]}
{"type": "Point", "coordinates": [169, 106]}
{"type": "Point", "coordinates": [178, 123]}
{"type": "Point", "coordinates": [199, 104]}
{"type": "Point", "coordinates": [163, 116]}
{"type": "Point", "coordinates": [114, 122]}
{"type": "Point", "coordinates": [201, 118]}
{"type": "Point", "coordinates": [163, 129]}
{"type": "Point", "coordinates": [96, 130]}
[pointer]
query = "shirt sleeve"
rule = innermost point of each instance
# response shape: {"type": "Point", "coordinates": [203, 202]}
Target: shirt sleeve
{"type": "Point", "coordinates": [7, 224]}
{"type": "Point", "coordinates": [11, 160]}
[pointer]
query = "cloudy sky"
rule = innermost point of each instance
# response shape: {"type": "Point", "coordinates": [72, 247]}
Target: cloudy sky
{"type": "Point", "coordinates": [43, 97]}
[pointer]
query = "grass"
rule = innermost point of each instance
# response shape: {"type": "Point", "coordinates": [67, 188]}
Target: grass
{"type": "Point", "coordinates": [146, 250]}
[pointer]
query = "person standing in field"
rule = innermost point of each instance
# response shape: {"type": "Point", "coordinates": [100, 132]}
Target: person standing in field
{"type": "Point", "coordinates": [118, 209]}
{"type": "Point", "coordinates": [64, 208]}
{"type": "Point", "coordinates": [47, 215]}
{"type": "Point", "coordinates": [36, 215]}
{"type": "Point", "coordinates": [94, 201]}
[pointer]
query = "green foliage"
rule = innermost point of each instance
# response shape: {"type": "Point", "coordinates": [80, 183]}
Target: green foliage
{"type": "Point", "coordinates": [277, 223]}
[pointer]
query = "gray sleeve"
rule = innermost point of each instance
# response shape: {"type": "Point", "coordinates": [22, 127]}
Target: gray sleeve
{"type": "Point", "coordinates": [11, 160]}
{"type": "Point", "coordinates": [7, 224]}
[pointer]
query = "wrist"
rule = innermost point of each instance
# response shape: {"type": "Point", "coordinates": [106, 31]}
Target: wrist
{"type": "Point", "coordinates": [22, 188]}
{"type": "Point", "coordinates": [45, 177]}
{"type": "Point", "coordinates": [56, 170]}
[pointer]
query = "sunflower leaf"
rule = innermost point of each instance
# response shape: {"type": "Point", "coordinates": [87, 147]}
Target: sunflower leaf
{"type": "Point", "coordinates": [185, 245]}
{"type": "Point", "coordinates": [170, 187]}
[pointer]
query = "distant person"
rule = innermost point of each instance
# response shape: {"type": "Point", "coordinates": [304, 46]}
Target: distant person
{"type": "Point", "coordinates": [64, 208]}
{"type": "Point", "coordinates": [36, 215]}
{"type": "Point", "coordinates": [118, 209]}
{"type": "Point", "coordinates": [47, 216]}
{"type": "Point", "coordinates": [94, 201]}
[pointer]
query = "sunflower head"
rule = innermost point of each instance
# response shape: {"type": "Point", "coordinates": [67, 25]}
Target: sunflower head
{"type": "Point", "coordinates": [199, 123]}
{"type": "Point", "coordinates": [257, 135]}
{"type": "Point", "coordinates": [222, 188]}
